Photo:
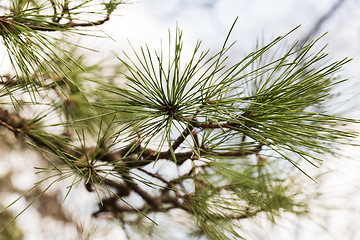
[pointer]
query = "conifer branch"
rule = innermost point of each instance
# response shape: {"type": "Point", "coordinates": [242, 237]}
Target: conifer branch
{"type": "Point", "coordinates": [217, 121]}
{"type": "Point", "coordinates": [12, 121]}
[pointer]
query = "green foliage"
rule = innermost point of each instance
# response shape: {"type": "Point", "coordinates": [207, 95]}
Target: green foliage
{"type": "Point", "coordinates": [278, 111]}
{"type": "Point", "coordinates": [234, 122]}
{"type": "Point", "coordinates": [27, 35]}
{"type": "Point", "coordinates": [229, 191]}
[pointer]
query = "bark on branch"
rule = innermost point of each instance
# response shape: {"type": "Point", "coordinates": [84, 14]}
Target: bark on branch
{"type": "Point", "coordinates": [12, 121]}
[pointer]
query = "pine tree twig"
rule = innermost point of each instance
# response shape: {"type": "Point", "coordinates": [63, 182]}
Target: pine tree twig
{"type": "Point", "coordinates": [52, 27]}
{"type": "Point", "coordinates": [154, 175]}
{"type": "Point", "coordinates": [53, 5]}
{"type": "Point", "coordinates": [111, 206]}
{"type": "Point", "coordinates": [10, 81]}
{"type": "Point", "coordinates": [152, 201]}
{"type": "Point", "coordinates": [56, 81]}
{"type": "Point", "coordinates": [140, 157]}
{"type": "Point", "coordinates": [169, 186]}
{"type": "Point", "coordinates": [211, 124]}
{"type": "Point", "coordinates": [65, 9]}
{"type": "Point", "coordinates": [122, 189]}
{"type": "Point", "coordinates": [181, 138]}
{"type": "Point", "coordinates": [241, 153]}
{"type": "Point", "coordinates": [7, 22]}
{"type": "Point", "coordinates": [247, 214]}
{"type": "Point", "coordinates": [12, 121]}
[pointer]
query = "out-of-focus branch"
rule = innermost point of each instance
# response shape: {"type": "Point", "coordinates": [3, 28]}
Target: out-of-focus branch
{"type": "Point", "coordinates": [321, 21]}
{"type": "Point", "coordinates": [12, 121]}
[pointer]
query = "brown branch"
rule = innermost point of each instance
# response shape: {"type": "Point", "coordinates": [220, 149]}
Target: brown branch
{"type": "Point", "coordinates": [65, 9]}
{"type": "Point", "coordinates": [210, 125]}
{"type": "Point", "coordinates": [55, 26]}
{"type": "Point", "coordinates": [241, 153]}
{"type": "Point", "coordinates": [182, 137]}
{"type": "Point", "coordinates": [152, 201]}
{"type": "Point", "coordinates": [109, 205]}
{"type": "Point", "coordinates": [122, 189]}
{"type": "Point", "coordinates": [169, 186]}
{"type": "Point", "coordinates": [247, 214]}
{"type": "Point", "coordinates": [181, 157]}
{"type": "Point", "coordinates": [146, 156]}
{"type": "Point", "coordinates": [8, 21]}
{"type": "Point", "coordinates": [12, 121]}
{"type": "Point", "coordinates": [53, 5]}
{"type": "Point", "coordinates": [154, 175]}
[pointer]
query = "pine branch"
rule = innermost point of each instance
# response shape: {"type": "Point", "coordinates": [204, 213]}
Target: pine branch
{"type": "Point", "coordinates": [12, 121]}
{"type": "Point", "coordinates": [233, 123]}
{"type": "Point", "coordinates": [55, 26]}
{"type": "Point", "coordinates": [38, 22]}
{"type": "Point", "coordinates": [15, 123]}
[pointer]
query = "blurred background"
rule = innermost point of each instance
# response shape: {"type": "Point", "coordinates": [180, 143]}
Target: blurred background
{"type": "Point", "coordinates": [336, 214]}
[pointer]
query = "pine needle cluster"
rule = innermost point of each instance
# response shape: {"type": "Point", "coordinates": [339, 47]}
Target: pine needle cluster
{"type": "Point", "coordinates": [234, 131]}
